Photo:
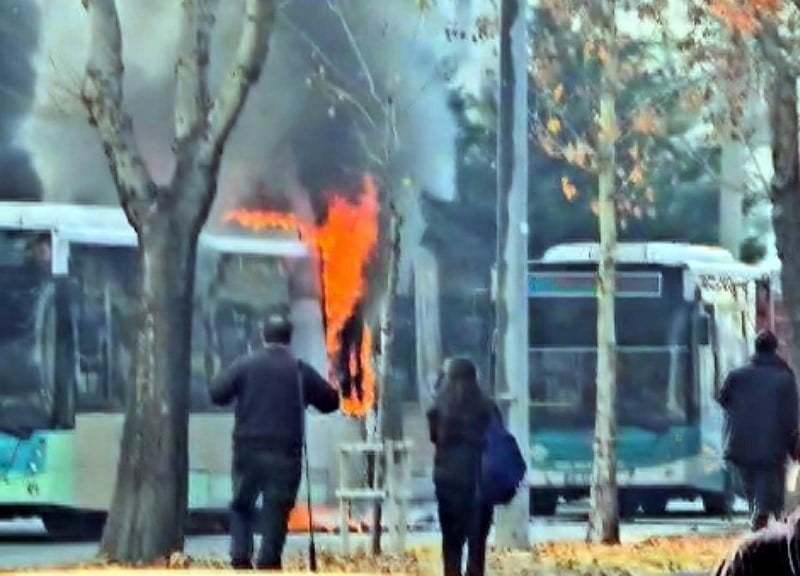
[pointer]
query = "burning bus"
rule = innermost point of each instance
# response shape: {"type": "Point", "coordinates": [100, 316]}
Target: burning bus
{"type": "Point", "coordinates": [68, 300]}
{"type": "Point", "coordinates": [686, 315]}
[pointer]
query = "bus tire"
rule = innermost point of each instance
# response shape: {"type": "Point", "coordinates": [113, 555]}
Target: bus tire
{"type": "Point", "coordinates": [654, 504]}
{"type": "Point", "coordinates": [74, 525]}
{"type": "Point", "coordinates": [543, 503]}
{"type": "Point", "coordinates": [628, 504]}
{"type": "Point", "coordinates": [720, 503]}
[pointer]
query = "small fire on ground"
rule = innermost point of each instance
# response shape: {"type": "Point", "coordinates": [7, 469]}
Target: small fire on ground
{"type": "Point", "coordinates": [344, 243]}
{"type": "Point", "coordinates": [325, 519]}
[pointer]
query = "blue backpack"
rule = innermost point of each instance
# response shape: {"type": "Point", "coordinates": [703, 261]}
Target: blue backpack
{"type": "Point", "coordinates": [503, 466]}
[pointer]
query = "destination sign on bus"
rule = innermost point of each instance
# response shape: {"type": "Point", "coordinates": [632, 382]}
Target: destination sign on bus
{"type": "Point", "coordinates": [584, 284]}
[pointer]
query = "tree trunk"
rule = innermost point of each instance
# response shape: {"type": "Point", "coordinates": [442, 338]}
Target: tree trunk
{"type": "Point", "coordinates": [391, 400]}
{"type": "Point", "coordinates": [604, 515]}
{"type": "Point", "coordinates": [148, 509]}
{"type": "Point", "coordinates": [785, 195]}
{"type": "Point", "coordinates": [511, 367]}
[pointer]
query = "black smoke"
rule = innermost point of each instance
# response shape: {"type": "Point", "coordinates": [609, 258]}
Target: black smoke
{"type": "Point", "coordinates": [19, 24]}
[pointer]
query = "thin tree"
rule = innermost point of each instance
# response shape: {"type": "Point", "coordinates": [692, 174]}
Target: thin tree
{"type": "Point", "coordinates": [148, 510]}
{"type": "Point", "coordinates": [604, 514]}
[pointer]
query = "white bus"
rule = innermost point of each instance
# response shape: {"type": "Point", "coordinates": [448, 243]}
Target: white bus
{"type": "Point", "coordinates": [68, 303]}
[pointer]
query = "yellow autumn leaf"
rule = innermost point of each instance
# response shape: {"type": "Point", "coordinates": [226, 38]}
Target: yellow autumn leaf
{"type": "Point", "coordinates": [646, 121]}
{"type": "Point", "coordinates": [568, 189]}
{"type": "Point", "coordinates": [595, 207]}
{"type": "Point", "coordinates": [554, 126]}
{"type": "Point", "coordinates": [558, 93]}
{"type": "Point", "coordinates": [636, 176]}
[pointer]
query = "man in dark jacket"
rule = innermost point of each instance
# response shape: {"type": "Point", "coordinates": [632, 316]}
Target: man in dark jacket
{"type": "Point", "coordinates": [760, 401]}
{"type": "Point", "coordinates": [272, 389]}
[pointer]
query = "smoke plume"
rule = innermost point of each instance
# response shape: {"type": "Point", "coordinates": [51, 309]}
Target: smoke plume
{"type": "Point", "coordinates": [19, 22]}
{"type": "Point", "coordinates": [321, 99]}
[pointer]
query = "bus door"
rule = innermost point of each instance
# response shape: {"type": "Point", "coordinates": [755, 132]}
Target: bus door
{"type": "Point", "coordinates": [28, 332]}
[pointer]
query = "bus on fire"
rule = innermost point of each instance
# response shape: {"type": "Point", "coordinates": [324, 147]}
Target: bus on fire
{"type": "Point", "coordinates": [68, 283]}
{"type": "Point", "coordinates": [685, 316]}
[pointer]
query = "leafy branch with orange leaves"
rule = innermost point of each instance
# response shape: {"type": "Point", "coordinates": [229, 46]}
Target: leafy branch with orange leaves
{"type": "Point", "coordinates": [658, 105]}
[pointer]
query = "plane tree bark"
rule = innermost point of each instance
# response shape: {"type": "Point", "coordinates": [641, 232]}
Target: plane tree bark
{"type": "Point", "coordinates": [148, 510]}
{"type": "Point", "coordinates": [604, 514]}
{"type": "Point", "coordinates": [785, 193]}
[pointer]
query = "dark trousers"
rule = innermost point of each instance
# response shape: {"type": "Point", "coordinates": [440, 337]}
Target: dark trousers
{"type": "Point", "coordinates": [275, 478]}
{"type": "Point", "coordinates": [463, 520]}
{"type": "Point", "coordinates": [764, 488]}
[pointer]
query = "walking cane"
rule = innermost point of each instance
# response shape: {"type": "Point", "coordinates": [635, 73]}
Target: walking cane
{"type": "Point", "coordinates": [312, 547]}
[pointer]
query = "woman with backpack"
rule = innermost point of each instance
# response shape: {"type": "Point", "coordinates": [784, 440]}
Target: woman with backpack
{"type": "Point", "coordinates": [458, 422]}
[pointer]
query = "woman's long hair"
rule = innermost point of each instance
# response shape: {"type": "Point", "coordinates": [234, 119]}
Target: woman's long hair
{"type": "Point", "coordinates": [459, 397]}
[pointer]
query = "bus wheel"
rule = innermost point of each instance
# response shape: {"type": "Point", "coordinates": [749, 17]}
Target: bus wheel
{"type": "Point", "coordinates": [654, 504]}
{"type": "Point", "coordinates": [69, 525]}
{"type": "Point", "coordinates": [718, 504]}
{"type": "Point", "coordinates": [543, 504]}
{"type": "Point", "coordinates": [628, 504]}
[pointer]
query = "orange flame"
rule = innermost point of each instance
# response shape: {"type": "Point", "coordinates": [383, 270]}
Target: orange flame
{"type": "Point", "coordinates": [326, 519]}
{"type": "Point", "coordinates": [344, 242]}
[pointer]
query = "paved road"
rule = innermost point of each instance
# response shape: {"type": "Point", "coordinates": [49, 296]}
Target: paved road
{"type": "Point", "coordinates": [25, 543]}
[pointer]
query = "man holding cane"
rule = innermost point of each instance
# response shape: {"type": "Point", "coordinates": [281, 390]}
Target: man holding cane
{"type": "Point", "coordinates": [271, 388]}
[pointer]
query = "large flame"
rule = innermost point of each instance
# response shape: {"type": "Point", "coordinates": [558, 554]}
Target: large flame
{"type": "Point", "coordinates": [344, 243]}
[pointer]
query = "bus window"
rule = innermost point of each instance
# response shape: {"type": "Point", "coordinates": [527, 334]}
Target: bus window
{"type": "Point", "coordinates": [106, 317]}
{"type": "Point", "coordinates": [228, 315]}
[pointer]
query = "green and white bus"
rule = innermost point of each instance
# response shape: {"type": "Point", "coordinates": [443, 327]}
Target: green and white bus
{"type": "Point", "coordinates": [68, 285]}
{"type": "Point", "coordinates": [685, 316]}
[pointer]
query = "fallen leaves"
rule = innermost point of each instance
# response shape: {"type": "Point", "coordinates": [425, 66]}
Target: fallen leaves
{"type": "Point", "coordinates": [652, 556]}
{"type": "Point", "coordinates": [655, 556]}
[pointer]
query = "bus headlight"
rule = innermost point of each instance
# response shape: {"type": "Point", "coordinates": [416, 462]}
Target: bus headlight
{"type": "Point", "coordinates": [32, 467]}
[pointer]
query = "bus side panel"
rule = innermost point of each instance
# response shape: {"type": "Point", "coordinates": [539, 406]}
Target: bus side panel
{"type": "Point", "coordinates": [37, 471]}
{"type": "Point", "coordinates": [97, 444]}
{"type": "Point", "coordinates": [97, 451]}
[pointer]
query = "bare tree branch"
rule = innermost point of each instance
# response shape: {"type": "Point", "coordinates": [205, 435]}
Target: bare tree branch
{"type": "Point", "coordinates": [191, 71]}
{"type": "Point", "coordinates": [351, 39]}
{"type": "Point", "coordinates": [245, 70]}
{"type": "Point", "coordinates": [103, 98]}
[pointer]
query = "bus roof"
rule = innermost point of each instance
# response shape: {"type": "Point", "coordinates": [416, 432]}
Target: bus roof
{"type": "Point", "coordinates": [659, 253]}
{"type": "Point", "coordinates": [108, 226]}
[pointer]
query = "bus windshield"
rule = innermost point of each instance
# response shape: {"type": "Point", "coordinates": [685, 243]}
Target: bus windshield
{"type": "Point", "coordinates": [655, 387]}
{"type": "Point", "coordinates": [27, 331]}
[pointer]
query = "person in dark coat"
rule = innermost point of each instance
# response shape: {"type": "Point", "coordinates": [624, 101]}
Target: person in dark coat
{"type": "Point", "coordinates": [760, 402]}
{"type": "Point", "coordinates": [458, 421]}
{"type": "Point", "coordinates": [272, 390]}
